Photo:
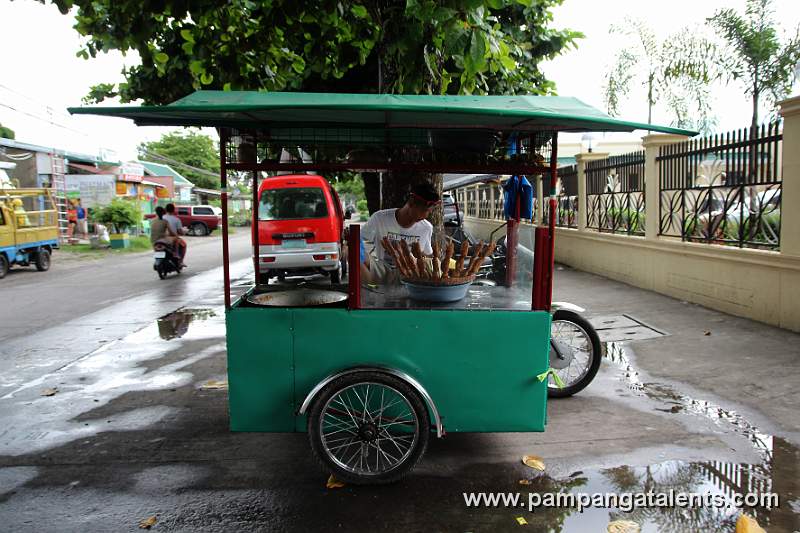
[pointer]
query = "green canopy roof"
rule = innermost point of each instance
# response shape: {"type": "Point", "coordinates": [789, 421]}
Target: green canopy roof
{"type": "Point", "coordinates": [254, 109]}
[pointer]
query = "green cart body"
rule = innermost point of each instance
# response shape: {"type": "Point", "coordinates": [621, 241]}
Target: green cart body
{"type": "Point", "coordinates": [476, 369]}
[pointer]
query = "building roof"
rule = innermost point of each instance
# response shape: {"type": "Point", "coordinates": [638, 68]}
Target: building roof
{"type": "Point", "coordinates": [73, 156]}
{"type": "Point", "coordinates": [281, 109]}
{"type": "Point", "coordinates": [157, 169]}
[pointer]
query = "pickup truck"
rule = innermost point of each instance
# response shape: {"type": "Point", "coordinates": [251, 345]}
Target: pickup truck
{"type": "Point", "coordinates": [198, 219]}
{"type": "Point", "coordinates": [28, 228]}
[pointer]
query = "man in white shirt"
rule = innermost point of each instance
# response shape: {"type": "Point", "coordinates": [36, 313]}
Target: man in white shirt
{"type": "Point", "coordinates": [406, 223]}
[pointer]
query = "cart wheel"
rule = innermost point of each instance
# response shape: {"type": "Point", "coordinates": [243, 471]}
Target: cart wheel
{"type": "Point", "coordinates": [43, 260]}
{"type": "Point", "coordinates": [577, 333]}
{"type": "Point", "coordinates": [368, 428]}
{"type": "Point", "coordinates": [4, 266]}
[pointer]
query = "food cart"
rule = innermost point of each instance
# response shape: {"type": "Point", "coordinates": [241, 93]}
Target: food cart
{"type": "Point", "coordinates": [371, 375]}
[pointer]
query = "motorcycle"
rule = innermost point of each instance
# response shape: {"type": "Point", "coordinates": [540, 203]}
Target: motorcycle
{"type": "Point", "coordinates": [575, 349]}
{"type": "Point", "coordinates": [165, 260]}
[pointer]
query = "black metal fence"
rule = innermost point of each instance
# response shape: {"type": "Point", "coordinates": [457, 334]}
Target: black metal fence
{"type": "Point", "coordinates": [615, 194]}
{"type": "Point", "coordinates": [723, 189]}
{"type": "Point", "coordinates": [567, 197]}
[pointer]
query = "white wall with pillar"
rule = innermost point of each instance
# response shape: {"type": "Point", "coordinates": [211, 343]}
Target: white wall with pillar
{"type": "Point", "coordinates": [759, 284]}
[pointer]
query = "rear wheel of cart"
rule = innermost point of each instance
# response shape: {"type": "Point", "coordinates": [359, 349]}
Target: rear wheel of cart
{"type": "Point", "coordinates": [576, 334]}
{"type": "Point", "coordinates": [43, 260]}
{"type": "Point", "coordinates": [368, 428]}
{"type": "Point", "coordinates": [4, 266]}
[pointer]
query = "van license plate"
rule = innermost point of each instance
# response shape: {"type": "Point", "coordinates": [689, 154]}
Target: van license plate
{"type": "Point", "coordinates": [293, 243]}
{"type": "Point", "coordinates": [159, 255]}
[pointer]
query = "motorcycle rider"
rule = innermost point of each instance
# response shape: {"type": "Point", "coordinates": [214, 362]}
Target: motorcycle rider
{"type": "Point", "coordinates": [160, 229]}
{"type": "Point", "coordinates": [176, 226]}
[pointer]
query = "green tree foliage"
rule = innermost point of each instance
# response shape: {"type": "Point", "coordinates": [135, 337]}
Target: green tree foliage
{"type": "Point", "coordinates": [755, 56]}
{"type": "Point", "coordinates": [675, 72]}
{"type": "Point", "coordinates": [120, 214]}
{"type": "Point", "coordinates": [6, 133]}
{"type": "Point", "coordinates": [193, 154]}
{"type": "Point", "coordinates": [363, 46]}
{"type": "Point", "coordinates": [420, 46]}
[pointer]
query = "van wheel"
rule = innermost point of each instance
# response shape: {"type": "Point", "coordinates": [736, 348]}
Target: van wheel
{"type": "Point", "coordinates": [43, 261]}
{"type": "Point", "coordinates": [199, 229]}
{"type": "Point", "coordinates": [336, 275]}
{"type": "Point", "coordinates": [4, 266]}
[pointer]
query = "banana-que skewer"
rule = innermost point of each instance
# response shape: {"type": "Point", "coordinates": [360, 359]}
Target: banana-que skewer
{"type": "Point", "coordinates": [448, 255]}
{"type": "Point", "coordinates": [477, 259]}
{"type": "Point", "coordinates": [421, 266]}
{"type": "Point", "coordinates": [460, 263]}
{"type": "Point", "coordinates": [437, 267]}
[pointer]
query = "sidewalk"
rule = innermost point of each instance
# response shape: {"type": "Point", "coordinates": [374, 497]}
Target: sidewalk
{"type": "Point", "coordinates": [753, 366]}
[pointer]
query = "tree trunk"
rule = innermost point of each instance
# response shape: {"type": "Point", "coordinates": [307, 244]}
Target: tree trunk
{"type": "Point", "coordinates": [396, 187]}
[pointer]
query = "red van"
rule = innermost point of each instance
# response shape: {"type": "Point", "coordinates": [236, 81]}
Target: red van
{"type": "Point", "coordinates": [300, 227]}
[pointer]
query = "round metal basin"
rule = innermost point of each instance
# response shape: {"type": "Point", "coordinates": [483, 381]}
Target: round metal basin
{"type": "Point", "coordinates": [298, 298]}
{"type": "Point", "coordinates": [437, 293]}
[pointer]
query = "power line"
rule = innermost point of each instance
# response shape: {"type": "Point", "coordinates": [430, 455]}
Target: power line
{"type": "Point", "coordinates": [49, 121]}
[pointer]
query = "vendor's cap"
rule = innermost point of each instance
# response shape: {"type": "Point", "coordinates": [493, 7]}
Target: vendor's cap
{"type": "Point", "coordinates": [426, 192]}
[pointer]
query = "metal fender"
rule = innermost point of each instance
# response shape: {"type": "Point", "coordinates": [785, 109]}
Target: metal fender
{"type": "Point", "coordinates": [566, 306]}
{"type": "Point", "coordinates": [391, 371]}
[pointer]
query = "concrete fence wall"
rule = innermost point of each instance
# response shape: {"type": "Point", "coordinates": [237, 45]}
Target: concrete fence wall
{"type": "Point", "coordinates": [757, 284]}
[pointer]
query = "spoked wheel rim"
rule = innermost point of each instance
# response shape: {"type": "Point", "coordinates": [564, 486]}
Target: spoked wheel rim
{"type": "Point", "coordinates": [368, 428]}
{"type": "Point", "coordinates": [577, 339]}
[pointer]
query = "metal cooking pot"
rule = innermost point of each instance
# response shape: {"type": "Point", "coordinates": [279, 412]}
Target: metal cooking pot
{"type": "Point", "coordinates": [298, 298]}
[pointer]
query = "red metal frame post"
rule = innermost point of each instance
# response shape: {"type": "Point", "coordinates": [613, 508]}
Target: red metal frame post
{"type": "Point", "coordinates": [544, 247]}
{"type": "Point", "coordinates": [255, 233]}
{"type": "Point", "coordinates": [223, 181]}
{"type": "Point", "coordinates": [354, 266]}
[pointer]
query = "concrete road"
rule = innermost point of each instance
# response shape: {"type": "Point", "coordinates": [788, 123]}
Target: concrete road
{"type": "Point", "coordinates": [138, 428]}
{"type": "Point", "coordinates": [78, 286]}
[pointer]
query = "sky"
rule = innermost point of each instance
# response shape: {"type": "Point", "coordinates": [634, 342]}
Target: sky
{"type": "Point", "coordinates": [40, 76]}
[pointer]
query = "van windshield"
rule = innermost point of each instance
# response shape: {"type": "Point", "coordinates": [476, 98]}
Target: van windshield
{"type": "Point", "coordinates": [292, 204]}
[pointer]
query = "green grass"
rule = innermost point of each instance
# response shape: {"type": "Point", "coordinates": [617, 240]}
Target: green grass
{"type": "Point", "coordinates": [138, 244]}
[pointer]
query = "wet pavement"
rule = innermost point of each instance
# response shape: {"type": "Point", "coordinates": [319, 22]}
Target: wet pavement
{"type": "Point", "coordinates": [137, 427]}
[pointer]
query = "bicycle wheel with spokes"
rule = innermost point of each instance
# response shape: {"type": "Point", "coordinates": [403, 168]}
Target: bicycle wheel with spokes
{"type": "Point", "coordinates": [577, 336]}
{"type": "Point", "coordinates": [368, 428]}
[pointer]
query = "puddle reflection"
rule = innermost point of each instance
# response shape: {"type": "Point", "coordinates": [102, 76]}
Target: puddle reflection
{"type": "Point", "coordinates": [716, 482]}
{"type": "Point", "coordinates": [778, 472]}
{"type": "Point", "coordinates": [176, 324]}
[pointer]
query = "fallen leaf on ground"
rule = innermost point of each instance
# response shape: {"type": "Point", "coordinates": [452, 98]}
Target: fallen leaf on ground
{"type": "Point", "coordinates": [524, 481]}
{"type": "Point", "coordinates": [214, 384]}
{"type": "Point", "coordinates": [706, 333]}
{"type": "Point", "coordinates": [522, 521]}
{"type": "Point", "coordinates": [623, 526]}
{"type": "Point", "coordinates": [334, 483]}
{"type": "Point", "coordinates": [533, 461]}
{"type": "Point", "coordinates": [49, 392]}
{"type": "Point", "coordinates": [148, 522]}
{"type": "Point", "coordinates": [746, 524]}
